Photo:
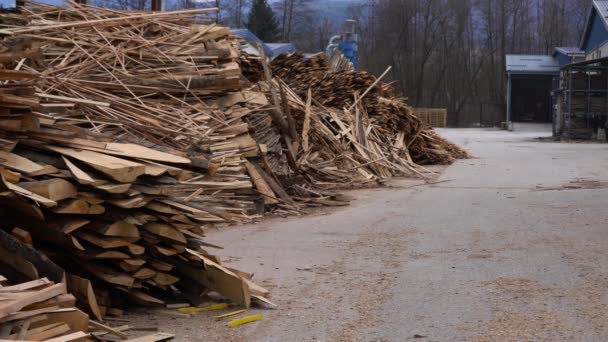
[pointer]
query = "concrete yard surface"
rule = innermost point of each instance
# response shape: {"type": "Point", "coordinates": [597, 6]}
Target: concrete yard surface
{"type": "Point", "coordinates": [510, 246]}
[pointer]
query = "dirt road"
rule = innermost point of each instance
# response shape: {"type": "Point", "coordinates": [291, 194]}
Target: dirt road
{"type": "Point", "coordinates": [512, 246]}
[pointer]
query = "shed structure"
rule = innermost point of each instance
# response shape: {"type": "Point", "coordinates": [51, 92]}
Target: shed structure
{"type": "Point", "coordinates": [530, 79]}
{"type": "Point", "coordinates": [567, 55]}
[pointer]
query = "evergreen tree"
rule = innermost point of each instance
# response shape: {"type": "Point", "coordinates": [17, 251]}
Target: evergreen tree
{"type": "Point", "coordinates": [263, 22]}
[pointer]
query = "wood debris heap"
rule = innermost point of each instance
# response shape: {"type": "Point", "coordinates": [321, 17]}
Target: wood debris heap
{"type": "Point", "coordinates": [334, 84]}
{"type": "Point", "coordinates": [106, 213]}
{"type": "Point", "coordinates": [123, 135]}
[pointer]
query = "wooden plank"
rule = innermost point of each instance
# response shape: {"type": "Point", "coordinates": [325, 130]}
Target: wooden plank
{"type": "Point", "coordinates": [121, 170]}
{"type": "Point", "coordinates": [73, 337]}
{"type": "Point", "coordinates": [82, 289]}
{"type": "Point", "coordinates": [260, 184]}
{"type": "Point", "coordinates": [116, 229]}
{"type": "Point", "coordinates": [17, 163]}
{"type": "Point", "coordinates": [28, 194]}
{"type": "Point", "coordinates": [73, 99]}
{"type": "Point", "coordinates": [103, 242]}
{"type": "Point", "coordinates": [29, 313]}
{"type": "Point", "coordinates": [25, 286]}
{"type": "Point", "coordinates": [50, 333]}
{"type": "Point", "coordinates": [55, 189]}
{"type": "Point", "coordinates": [81, 176]}
{"type": "Point", "coordinates": [44, 294]}
{"type": "Point", "coordinates": [103, 327]}
{"type": "Point", "coordinates": [224, 281]}
{"type": "Point", "coordinates": [166, 231]}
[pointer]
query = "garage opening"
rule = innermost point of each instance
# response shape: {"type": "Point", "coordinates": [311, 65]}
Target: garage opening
{"type": "Point", "coordinates": [531, 98]}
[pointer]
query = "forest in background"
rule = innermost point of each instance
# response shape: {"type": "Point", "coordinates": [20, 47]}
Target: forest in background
{"type": "Point", "coordinates": [445, 53]}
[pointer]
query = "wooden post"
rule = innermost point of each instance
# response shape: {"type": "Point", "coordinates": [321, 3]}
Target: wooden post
{"type": "Point", "coordinates": [157, 5]}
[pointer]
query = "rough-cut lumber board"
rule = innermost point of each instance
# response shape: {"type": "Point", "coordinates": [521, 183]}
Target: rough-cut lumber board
{"type": "Point", "coordinates": [44, 294]}
{"type": "Point", "coordinates": [103, 242]}
{"type": "Point", "coordinates": [108, 274]}
{"type": "Point", "coordinates": [260, 184]}
{"type": "Point", "coordinates": [19, 164]}
{"type": "Point", "coordinates": [27, 314]}
{"type": "Point", "coordinates": [73, 337]}
{"type": "Point", "coordinates": [60, 329]}
{"type": "Point", "coordinates": [224, 281]}
{"type": "Point", "coordinates": [78, 206]}
{"type": "Point", "coordinates": [83, 291]}
{"type": "Point", "coordinates": [276, 187]}
{"type": "Point", "coordinates": [26, 193]}
{"type": "Point", "coordinates": [76, 319]}
{"type": "Point", "coordinates": [10, 176]}
{"type": "Point", "coordinates": [103, 327]}
{"type": "Point", "coordinates": [62, 301]}
{"type": "Point", "coordinates": [25, 286]}
{"type": "Point", "coordinates": [165, 231]}
{"type": "Point", "coordinates": [121, 170]}
{"type": "Point", "coordinates": [81, 176]}
{"type": "Point", "coordinates": [55, 189]}
{"type": "Point", "coordinates": [117, 229]}
{"type": "Point", "coordinates": [138, 151]}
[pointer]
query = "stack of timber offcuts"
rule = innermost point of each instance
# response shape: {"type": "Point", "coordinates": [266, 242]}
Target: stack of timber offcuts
{"type": "Point", "coordinates": [40, 310]}
{"type": "Point", "coordinates": [100, 211]}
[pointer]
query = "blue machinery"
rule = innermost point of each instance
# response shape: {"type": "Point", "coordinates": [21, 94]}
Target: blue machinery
{"type": "Point", "coordinates": [346, 42]}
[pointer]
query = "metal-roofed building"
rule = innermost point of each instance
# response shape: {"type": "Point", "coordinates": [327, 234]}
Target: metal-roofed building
{"type": "Point", "coordinates": [567, 55]}
{"type": "Point", "coordinates": [530, 80]}
{"type": "Point", "coordinates": [596, 27]}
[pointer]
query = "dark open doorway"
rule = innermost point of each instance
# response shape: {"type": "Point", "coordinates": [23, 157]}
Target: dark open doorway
{"type": "Point", "coordinates": [531, 98]}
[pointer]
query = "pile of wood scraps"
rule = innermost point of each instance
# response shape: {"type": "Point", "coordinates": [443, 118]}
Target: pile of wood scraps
{"type": "Point", "coordinates": [137, 74]}
{"type": "Point", "coordinates": [336, 85]}
{"type": "Point", "coordinates": [120, 219]}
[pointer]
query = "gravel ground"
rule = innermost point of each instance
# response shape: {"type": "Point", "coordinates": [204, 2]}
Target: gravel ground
{"type": "Point", "coordinates": [500, 248]}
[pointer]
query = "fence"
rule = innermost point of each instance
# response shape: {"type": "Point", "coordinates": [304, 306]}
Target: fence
{"type": "Point", "coordinates": [435, 117]}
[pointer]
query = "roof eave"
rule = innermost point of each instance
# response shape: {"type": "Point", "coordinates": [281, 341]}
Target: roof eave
{"type": "Point", "coordinates": [587, 22]}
